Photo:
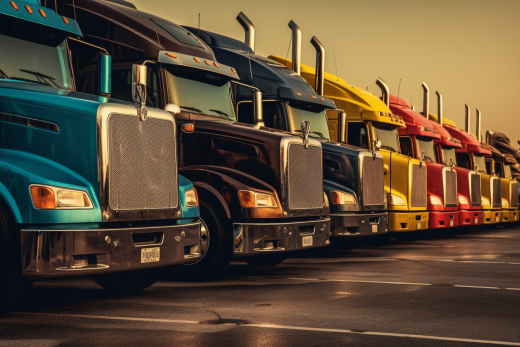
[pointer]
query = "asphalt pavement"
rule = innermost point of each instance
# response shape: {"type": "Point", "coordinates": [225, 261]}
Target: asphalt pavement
{"type": "Point", "coordinates": [442, 289]}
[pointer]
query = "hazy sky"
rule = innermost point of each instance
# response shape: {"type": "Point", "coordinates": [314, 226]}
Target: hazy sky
{"type": "Point", "coordinates": [468, 50]}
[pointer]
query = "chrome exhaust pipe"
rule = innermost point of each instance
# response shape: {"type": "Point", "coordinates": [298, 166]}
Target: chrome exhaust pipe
{"type": "Point", "coordinates": [479, 124]}
{"type": "Point", "coordinates": [385, 90]}
{"type": "Point", "coordinates": [296, 47]}
{"type": "Point", "coordinates": [439, 108]}
{"type": "Point", "coordinates": [467, 119]}
{"type": "Point", "coordinates": [342, 126]}
{"type": "Point", "coordinates": [320, 66]}
{"type": "Point", "coordinates": [426, 100]}
{"type": "Point", "coordinates": [249, 29]}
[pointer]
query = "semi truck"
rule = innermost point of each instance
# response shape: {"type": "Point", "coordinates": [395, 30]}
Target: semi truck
{"type": "Point", "coordinates": [417, 141]}
{"type": "Point", "coordinates": [87, 187]}
{"type": "Point", "coordinates": [353, 177]}
{"type": "Point", "coordinates": [260, 191]}
{"type": "Point", "coordinates": [468, 181]}
{"type": "Point", "coordinates": [368, 122]}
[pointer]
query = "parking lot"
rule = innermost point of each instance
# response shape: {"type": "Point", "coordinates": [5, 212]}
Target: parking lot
{"type": "Point", "coordinates": [455, 289]}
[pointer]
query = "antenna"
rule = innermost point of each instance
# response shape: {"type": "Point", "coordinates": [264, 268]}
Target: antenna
{"type": "Point", "coordinates": [398, 91]}
{"type": "Point", "coordinates": [367, 88]}
{"type": "Point", "coordinates": [290, 40]}
{"type": "Point", "coordinates": [198, 28]}
{"type": "Point", "coordinates": [250, 70]}
{"type": "Point", "coordinates": [337, 76]}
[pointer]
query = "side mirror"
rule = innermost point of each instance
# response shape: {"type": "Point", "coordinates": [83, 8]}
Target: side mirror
{"type": "Point", "coordinates": [258, 108]}
{"type": "Point", "coordinates": [342, 127]}
{"type": "Point", "coordinates": [139, 74]}
{"type": "Point", "coordinates": [173, 109]}
{"type": "Point", "coordinates": [378, 144]}
{"type": "Point", "coordinates": [105, 74]}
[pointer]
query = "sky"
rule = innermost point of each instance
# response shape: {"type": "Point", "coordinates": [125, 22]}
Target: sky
{"type": "Point", "coordinates": [468, 50]}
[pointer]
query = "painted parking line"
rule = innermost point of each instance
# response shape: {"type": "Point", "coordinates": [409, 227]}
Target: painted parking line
{"type": "Point", "coordinates": [372, 260]}
{"type": "Point", "coordinates": [398, 283]}
{"type": "Point", "coordinates": [279, 327]}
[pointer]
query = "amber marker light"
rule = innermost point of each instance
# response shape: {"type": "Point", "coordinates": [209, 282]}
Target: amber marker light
{"type": "Point", "coordinates": [207, 63]}
{"type": "Point", "coordinates": [65, 20]}
{"type": "Point", "coordinates": [43, 197]}
{"type": "Point", "coordinates": [250, 199]}
{"type": "Point", "coordinates": [171, 55]}
{"type": "Point", "coordinates": [234, 71]}
{"type": "Point", "coordinates": [216, 65]}
{"type": "Point", "coordinates": [28, 9]}
{"type": "Point", "coordinates": [42, 13]}
{"type": "Point", "coordinates": [342, 198]}
{"type": "Point", "coordinates": [14, 5]}
{"type": "Point", "coordinates": [298, 94]}
{"type": "Point", "coordinates": [322, 99]}
{"type": "Point", "coordinates": [313, 97]}
{"type": "Point", "coordinates": [188, 127]}
{"type": "Point", "coordinates": [197, 60]}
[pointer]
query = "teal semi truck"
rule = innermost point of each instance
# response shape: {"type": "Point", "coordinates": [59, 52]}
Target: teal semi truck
{"type": "Point", "coordinates": [89, 186]}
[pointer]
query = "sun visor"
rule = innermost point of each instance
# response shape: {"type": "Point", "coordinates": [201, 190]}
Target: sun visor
{"type": "Point", "coordinates": [289, 93]}
{"type": "Point", "coordinates": [180, 59]}
{"type": "Point", "coordinates": [14, 12]}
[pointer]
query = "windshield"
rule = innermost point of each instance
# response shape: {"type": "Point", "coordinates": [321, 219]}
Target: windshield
{"type": "Point", "coordinates": [426, 146]}
{"type": "Point", "coordinates": [507, 171]}
{"type": "Point", "coordinates": [387, 134]}
{"type": "Point", "coordinates": [32, 62]}
{"type": "Point", "coordinates": [480, 162]}
{"type": "Point", "coordinates": [200, 91]}
{"type": "Point", "coordinates": [299, 111]}
{"type": "Point", "coordinates": [448, 154]}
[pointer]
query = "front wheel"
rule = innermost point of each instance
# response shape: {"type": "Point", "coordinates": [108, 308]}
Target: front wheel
{"type": "Point", "coordinates": [127, 282]}
{"type": "Point", "coordinates": [266, 260]}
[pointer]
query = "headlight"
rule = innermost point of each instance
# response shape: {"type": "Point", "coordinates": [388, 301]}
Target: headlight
{"type": "Point", "coordinates": [463, 200]}
{"type": "Point", "coordinates": [484, 201]}
{"type": "Point", "coordinates": [250, 199]}
{"type": "Point", "coordinates": [505, 203]}
{"type": "Point", "coordinates": [435, 200]}
{"type": "Point", "coordinates": [396, 200]}
{"type": "Point", "coordinates": [342, 198]}
{"type": "Point", "coordinates": [191, 197]}
{"type": "Point", "coordinates": [53, 198]}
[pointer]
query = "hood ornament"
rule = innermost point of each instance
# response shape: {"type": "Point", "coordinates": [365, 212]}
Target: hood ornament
{"type": "Point", "coordinates": [306, 127]}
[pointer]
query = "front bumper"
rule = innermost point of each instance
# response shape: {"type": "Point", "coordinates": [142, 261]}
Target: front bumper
{"type": "Point", "coordinates": [442, 220]}
{"type": "Point", "coordinates": [490, 216]}
{"type": "Point", "coordinates": [407, 221]}
{"type": "Point", "coordinates": [508, 216]}
{"type": "Point", "coordinates": [52, 253]}
{"type": "Point", "coordinates": [352, 225]}
{"type": "Point", "coordinates": [470, 218]}
{"type": "Point", "coordinates": [265, 238]}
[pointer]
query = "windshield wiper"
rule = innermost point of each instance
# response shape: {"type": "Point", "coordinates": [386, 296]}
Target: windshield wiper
{"type": "Point", "coordinates": [389, 148]}
{"type": "Point", "coordinates": [222, 114]}
{"type": "Point", "coordinates": [194, 109]}
{"type": "Point", "coordinates": [429, 159]}
{"type": "Point", "coordinates": [4, 75]}
{"type": "Point", "coordinates": [40, 77]}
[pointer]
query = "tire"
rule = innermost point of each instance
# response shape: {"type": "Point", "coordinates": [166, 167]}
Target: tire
{"type": "Point", "coordinates": [266, 260]}
{"type": "Point", "coordinates": [127, 282]}
{"type": "Point", "coordinates": [218, 253]}
{"type": "Point", "coordinates": [13, 285]}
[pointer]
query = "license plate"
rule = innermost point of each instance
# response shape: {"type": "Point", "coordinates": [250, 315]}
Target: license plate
{"type": "Point", "coordinates": [374, 228]}
{"type": "Point", "coordinates": [451, 223]}
{"type": "Point", "coordinates": [150, 255]}
{"type": "Point", "coordinates": [419, 224]}
{"type": "Point", "coordinates": [476, 220]}
{"type": "Point", "coordinates": [307, 241]}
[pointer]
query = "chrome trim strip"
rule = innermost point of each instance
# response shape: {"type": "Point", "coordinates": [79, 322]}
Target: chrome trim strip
{"type": "Point", "coordinates": [28, 121]}
{"type": "Point", "coordinates": [362, 155]}
{"type": "Point", "coordinates": [444, 170]}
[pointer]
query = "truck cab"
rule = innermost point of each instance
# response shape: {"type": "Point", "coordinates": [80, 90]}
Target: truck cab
{"type": "Point", "coordinates": [86, 187]}
{"type": "Point", "coordinates": [353, 177]}
{"type": "Point", "coordinates": [417, 141]}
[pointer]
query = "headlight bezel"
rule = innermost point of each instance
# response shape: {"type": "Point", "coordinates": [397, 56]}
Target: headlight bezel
{"type": "Point", "coordinates": [396, 200]}
{"type": "Point", "coordinates": [337, 197]}
{"type": "Point", "coordinates": [190, 204]}
{"type": "Point", "coordinates": [434, 200]}
{"type": "Point", "coordinates": [51, 200]}
{"type": "Point", "coordinates": [244, 195]}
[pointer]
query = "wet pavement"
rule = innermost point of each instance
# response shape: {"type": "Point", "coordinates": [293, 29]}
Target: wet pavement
{"type": "Point", "coordinates": [451, 289]}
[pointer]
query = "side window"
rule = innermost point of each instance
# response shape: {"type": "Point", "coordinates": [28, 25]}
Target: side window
{"type": "Point", "coordinates": [463, 160]}
{"type": "Point", "coordinates": [245, 112]}
{"type": "Point", "coordinates": [357, 134]}
{"type": "Point", "coordinates": [498, 169]}
{"type": "Point", "coordinates": [488, 167]}
{"type": "Point", "coordinates": [122, 84]}
{"type": "Point", "coordinates": [438, 155]}
{"type": "Point", "coordinates": [406, 146]}
{"type": "Point", "coordinates": [272, 113]}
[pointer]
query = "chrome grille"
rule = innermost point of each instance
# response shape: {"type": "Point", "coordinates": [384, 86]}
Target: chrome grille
{"type": "Point", "coordinates": [474, 189]}
{"type": "Point", "coordinates": [304, 177]}
{"type": "Point", "coordinates": [418, 186]}
{"type": "Point", "coordinates": [373, 181]}
{"type": "Point", "coordinates": [450, 188]}
{"type": "Point", "coordinates": [496, 192]}
{"type": "Point", "coordinates": [142, 166]}
{"type": "Point", "coordinates": [514, 193]}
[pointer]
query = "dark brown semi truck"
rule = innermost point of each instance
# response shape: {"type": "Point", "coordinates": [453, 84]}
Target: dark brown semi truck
{"type": "Point", "coordinates": [260, 190]}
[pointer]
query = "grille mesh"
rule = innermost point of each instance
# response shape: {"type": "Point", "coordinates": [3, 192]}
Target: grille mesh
{"type": "Point", "coordinates": [419, 186]}
{"type": "Point", "coordinates": [496, 192]}
{"type": "Point", "coordinates": [514, 194]}
{"type": "Point", "coordinates": [373, 181]}
{"type": "Point", "coordinates": [304, 177]}
{"type": "Point", "coordinates": [450, 197]}
{"type": "Point", "coordinates": [475, 194]}
{"type": "Point", "coordinates": [142, 168]}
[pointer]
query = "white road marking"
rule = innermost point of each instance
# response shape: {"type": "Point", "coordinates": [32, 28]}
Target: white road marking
{"type": "Point", "coordinates": [357, 260]}
{"type": "Point", "coordinates": [461, 286]}
{"type": "Point", "coordinates": [281, 327]}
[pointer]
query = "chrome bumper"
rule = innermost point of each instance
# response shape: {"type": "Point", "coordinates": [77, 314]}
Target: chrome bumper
{"type": "Point", "coordinates": [52, 253]}
{"type": "Point", "coordinates": [352, 225]}
{"type": "Point", "coordinates": [254, 239]}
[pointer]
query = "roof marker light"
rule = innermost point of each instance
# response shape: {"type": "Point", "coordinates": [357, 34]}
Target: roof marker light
{"type": "Point", "coordinates": [322, 99]}
{"type": "Point", "coordinates": [298, 94]}
{"type": "Point", "coordinates": [14, 5]}
{"type": "Point", "coordinates": [42, 12]}
{"type": "Point", "coordinates": [207, 63]}
{"type": "Point", "coordinates": [65, 20]}
{"type": "Point", "coordinates": [332, 102]}
{"type": "Point", "coordinates": [171, 55]}
{"type": "Point", "coordinates": [234, 71]}
{"type": "Point", "coordinates": [313, 97]}
{"type": "Point", "coordinates": [216, 65]}
{"type": "Point", "coordinates": [28, 9]}
{"type": "Point", "coordinates": [197, 60]}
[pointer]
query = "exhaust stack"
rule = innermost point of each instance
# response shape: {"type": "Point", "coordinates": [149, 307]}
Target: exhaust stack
{"type": "Point", "coordinates": [467, 119]}
{"type": "Point", "coordinates": [249, 29]}
{"type": "Point", "coordinates": [384, 89]}
{"type": "Point", "coordinates": [296, 46]}
{"type": "Point", "coordinates": [439, 108]}
{"type": "Point", "coordinates": [479, 124]}
{"type": "Point", "coordinates": [426, 100]}
{"type": "Point", "coordinates": [320, 66]}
